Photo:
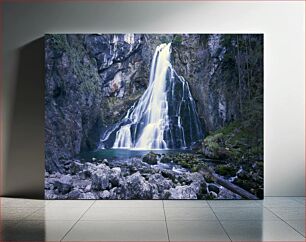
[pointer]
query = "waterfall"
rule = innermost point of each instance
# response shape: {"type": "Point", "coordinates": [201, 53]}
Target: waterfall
{"type": "Point", "coordinates": [165, 116]}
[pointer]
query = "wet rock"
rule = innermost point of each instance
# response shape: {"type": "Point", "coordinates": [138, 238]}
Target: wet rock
{"type": "Point", "coordinates": [150, 158]}
{"type": "Point", "coordinates": [213, 195]}
{"type": "Point", "coordinates": [165, 159]}
{"type": "Point", "coordinates": [169, 174]}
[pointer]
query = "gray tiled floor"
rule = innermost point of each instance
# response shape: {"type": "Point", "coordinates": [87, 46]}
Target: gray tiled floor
{"type": "Point", "coordinates": [274, 219]}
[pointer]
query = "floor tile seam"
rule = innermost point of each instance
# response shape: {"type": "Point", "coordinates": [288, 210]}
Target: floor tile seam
{"type": "Point", "coordinates": [231, 207]}
{"type": "Point", "coordinates": [125, 207]}
{"type": "Point", "coordinates": [299, 201]}
{"type": "Point", "coordinates": [20, 221]}
{"type": "Point", "coordinates": [123, 220]}
{"type": "Point", "coordinates": [220, 223]}
{"type": "Point", "coordinates": [73, 225]}
{"type": "Point", "coordinates": [283, 207]}
{"type": "Point", "coordinates": [168, 236]}
{"type": "Point", "coordinates": [287, 223]}
{"type": "Point", "coordinates": [48, 220]}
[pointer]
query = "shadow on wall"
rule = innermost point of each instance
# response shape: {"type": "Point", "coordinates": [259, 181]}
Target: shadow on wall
{"type": "Point", "coordinates": [25, 158]}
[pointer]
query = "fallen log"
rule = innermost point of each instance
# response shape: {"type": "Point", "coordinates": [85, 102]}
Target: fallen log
{"type": "Point", "coordinates": [232, 187]}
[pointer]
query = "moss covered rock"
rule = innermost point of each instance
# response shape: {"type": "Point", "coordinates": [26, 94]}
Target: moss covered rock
{"type": "Point", "coordinates": [150, 158]}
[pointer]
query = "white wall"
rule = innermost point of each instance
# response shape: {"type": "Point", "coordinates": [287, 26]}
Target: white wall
{"type": "Point", "coordinates": [282, 23]}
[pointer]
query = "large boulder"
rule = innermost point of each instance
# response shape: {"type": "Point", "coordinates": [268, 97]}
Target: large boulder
{"type": "Point", "coordinates": [136, 187]}
{"type": "Point", "coordinates": [114, 177]}
{"type": "Point", "coordinates": [218, 153]}
{"type": "Point", "coordinates": [182, 192]}
{"type": "Point", "coordinates": [150, 158]}
{"type": "Point", "coordinates": [197, 182]}
{"type": "Point", "coordinates": [100, 178]}
{"type": "Point", "coordinates": [160, 183]}
{"type": "Point", "coordinates": [213, 147]}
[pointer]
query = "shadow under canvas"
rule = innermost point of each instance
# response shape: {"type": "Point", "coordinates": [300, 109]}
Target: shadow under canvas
{"type": "Point", "coordinates": [25, 165]}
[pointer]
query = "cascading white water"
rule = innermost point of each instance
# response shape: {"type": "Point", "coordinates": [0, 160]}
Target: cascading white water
{"type": "Point", "coordinates": [163, 114]}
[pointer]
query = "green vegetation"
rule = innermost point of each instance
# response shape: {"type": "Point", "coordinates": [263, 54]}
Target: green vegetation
{"type": "Point", "coordinates": [178, 39]}
{"type": "Point", "coordinates": [238, 140]}
{"type": "Point", "coordinates": [226, 170]}
{"type": "Point", "coordinates": [190, 161]}
{"type": "Point", "coordinates": [74, 55]}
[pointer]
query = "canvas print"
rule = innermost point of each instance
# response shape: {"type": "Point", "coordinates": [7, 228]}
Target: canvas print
{"type": "Point", "coordinates": [154, 116]}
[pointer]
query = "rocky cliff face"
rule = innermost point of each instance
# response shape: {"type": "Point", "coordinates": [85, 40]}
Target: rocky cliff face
{"type": "Point", "coordinates": [225, 73]}
{"type": "Point", "coordinates": [91, 81]}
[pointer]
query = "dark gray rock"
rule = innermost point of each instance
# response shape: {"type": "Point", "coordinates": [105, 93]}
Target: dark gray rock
{"type": "Point", "coordinates": [76, 167]}
{"type": "Point", "coordinates": [64, 184]}
{"type": "Point", "coordinates": [213, 188]}
{"type": "Point", "coordinates": [75, 194]}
